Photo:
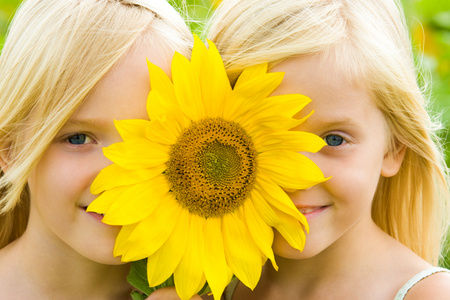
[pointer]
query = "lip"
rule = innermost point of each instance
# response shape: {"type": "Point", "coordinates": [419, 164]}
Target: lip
{"type": "Point", "coordinates": [96, 216]}
{"type": "Point", "coordinates": [311, 211]}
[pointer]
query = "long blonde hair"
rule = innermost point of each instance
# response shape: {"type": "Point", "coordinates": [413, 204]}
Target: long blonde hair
{"type": "Point", "coordinates": [55, 53]}
{"type": "Point", "coordinates": [369, 41]}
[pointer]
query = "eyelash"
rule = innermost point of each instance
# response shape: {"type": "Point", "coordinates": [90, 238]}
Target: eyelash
{"type": "Point", "coordinates": [86, 139]}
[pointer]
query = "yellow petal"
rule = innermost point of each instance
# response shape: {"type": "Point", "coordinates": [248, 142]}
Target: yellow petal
{"type": "Point", "coordinates": [151, 233]}
{"type": "Point", "coordinates": [158, 105]}
{"type": "Point", "coordinates": [189, 275]}
{"type": "Point", "coordinates": [162, 94]}
{"type": "Point", "coordinates": [131, 129]}
{"type": "Point", "coordinates": [298, 141]}
{"type": "Point", "coordinates": [251, 73]}
{"type": "Point", "coordinates": [214, 82]}
{"type": "Point", "coordinates": [163, 262]}
{"type": "Point", "coordinates": [137, 154]}
{"type": "Point", "coordinates": [187, 88]}
{"type": "Point", "coordinates": [243, 255]}
{"type": "Point", "coordinates": [283, 107]}
{"type": "Point", "coordinates": [287, 105]}
{"type": "Point", "coordinates": [122, 239]}
{"type": "Point", "coordinates": [250, 92]}
{"type": "Point", "coordinates": [137, 202]}
{"type": "Point", "coordinates": [264, 209]}
{"type": "Point", "coordinates": [261, 233]}
{"type": "Point", "coordinates": [199, 55]}
{"type": "Point", "coordinates": [165, 131]}
{"type": "Point", "coordinates": [291, 230]}
{"type": "Point", "coordinates": [217, 272]}
{"type": "Point", "coordinates": [219, 87]}
{"type": "Point", "coordinates": [290, 170]}
{"type": "Point", "coordinates": [102, 203]}
{"type": "Point", "coordinates": [274, 122]}
{"type": "Point", "coordinates": [114, 176]}
{"type": "Point", "coordinates": [278, 198]}
{"type": "Point", "coordinates": [159, 80]}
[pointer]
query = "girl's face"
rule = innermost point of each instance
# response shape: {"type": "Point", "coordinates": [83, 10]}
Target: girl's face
{"type": "Point", "coordinates": [60, 183]}
{"type": "Point", "coordinates": [355, 157]}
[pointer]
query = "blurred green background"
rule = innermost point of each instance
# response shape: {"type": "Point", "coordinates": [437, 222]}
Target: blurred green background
{"type": "Point", "coordinates": [429, 24]}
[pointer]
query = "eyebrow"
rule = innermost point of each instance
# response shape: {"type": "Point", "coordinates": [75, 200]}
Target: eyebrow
{"type": "Point", "coordinates": [335, 122]}
{"type": "Point", "coordinates": [345, 121]}
{"type": "Point", "coordinates": [85, 123]}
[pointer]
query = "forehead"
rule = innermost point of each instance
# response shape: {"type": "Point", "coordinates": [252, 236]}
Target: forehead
{"type": "Point", "coordinates": [122, 92]}
{"type": "Point", "coordinates": [336, 95]}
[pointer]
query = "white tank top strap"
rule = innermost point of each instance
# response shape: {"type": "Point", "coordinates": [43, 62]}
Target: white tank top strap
{"type": "Point", "coordinates": [418, 277]}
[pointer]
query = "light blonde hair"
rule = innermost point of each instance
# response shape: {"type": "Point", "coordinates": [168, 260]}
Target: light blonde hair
{"type": "Point", "coordinates": [369, 41]}
{"type": "Point", "coordinates": [55, 53]}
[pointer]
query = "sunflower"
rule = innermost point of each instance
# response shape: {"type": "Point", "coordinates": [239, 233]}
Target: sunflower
{"type": "Point", "coordinates": [198, 188]}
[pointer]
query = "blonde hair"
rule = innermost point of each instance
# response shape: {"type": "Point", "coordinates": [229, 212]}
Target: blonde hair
{"type": "Point", "coordinates": [369, 41]}
{"type": "Point", "coordinates": [55, 53]}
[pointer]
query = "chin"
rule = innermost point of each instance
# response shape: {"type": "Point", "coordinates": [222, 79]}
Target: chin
{"type": "Point", "coordinates": [281, 248]}
{"type": "Point", "coordinates": [101, 252]}
{"type": "Point", "coordinates": [107, 260]}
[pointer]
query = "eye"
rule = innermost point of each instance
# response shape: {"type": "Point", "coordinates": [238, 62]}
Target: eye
{"type": "Point", "coordinates": [78, 139]}
{"type": "Point", "coordinates": [334, 140]}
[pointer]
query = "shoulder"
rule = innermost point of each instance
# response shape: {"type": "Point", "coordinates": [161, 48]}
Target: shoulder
{"type": "Point", "coordinates": [433, 287]}
{"type": "Point", "coordinates": [12, 278]}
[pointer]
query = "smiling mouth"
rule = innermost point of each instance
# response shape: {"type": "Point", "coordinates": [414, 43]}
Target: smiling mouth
{"type": "Point", "coordinates": [309, 210]}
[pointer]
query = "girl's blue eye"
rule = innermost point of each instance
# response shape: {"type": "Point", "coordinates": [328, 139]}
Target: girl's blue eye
{"type": "Point", "coordinates": [334, 140]}
{"type": "Point", "coordinates": [77, 139]}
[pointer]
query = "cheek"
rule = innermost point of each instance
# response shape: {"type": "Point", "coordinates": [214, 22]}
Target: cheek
{"type": "Point", "coordinates": [58, 175]}
{"type": "Point", "coordinates": [70, 180]}
{"type": "Point", "coordinates": [354, 181]}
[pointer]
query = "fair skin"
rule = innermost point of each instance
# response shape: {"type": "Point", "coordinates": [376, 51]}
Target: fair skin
{"type": "Point", "coordinates": [65, 252]}
{"type": "Point", "coordinates": [346, 255]}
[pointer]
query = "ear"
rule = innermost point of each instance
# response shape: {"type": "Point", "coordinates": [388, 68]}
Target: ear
{"type": "Point", "coordinates": [392, 161]}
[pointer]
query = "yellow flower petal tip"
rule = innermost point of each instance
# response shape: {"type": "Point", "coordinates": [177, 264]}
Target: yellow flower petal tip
{"type": "Point", "coordinates": [210, 158]}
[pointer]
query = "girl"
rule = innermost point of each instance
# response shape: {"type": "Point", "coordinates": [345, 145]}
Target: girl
{"type": "Point", "coordinates": [68, 69]}
{"type": "Point", "coordinates": [377, 226]}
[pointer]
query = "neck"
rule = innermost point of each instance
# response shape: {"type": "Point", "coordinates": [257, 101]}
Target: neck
{"type": "Point", "coordinates": [336, 269]}
{"type": "Point", "coordinates": [39, 268]}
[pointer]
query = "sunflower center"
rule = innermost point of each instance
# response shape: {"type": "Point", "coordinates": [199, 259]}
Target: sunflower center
{"type": "Point", "coordinates": [212, 167]}
{"type": "Point", "coordinates": [220, 162]}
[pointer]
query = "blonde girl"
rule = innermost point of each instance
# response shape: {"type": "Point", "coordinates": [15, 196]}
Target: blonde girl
{"type": "Point", "coordinates": [378, 225]}
{"type": "Point", "coordinates": [67, 70]}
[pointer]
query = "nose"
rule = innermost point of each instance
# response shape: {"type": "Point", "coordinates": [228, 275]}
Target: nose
{"type": "Point", "coordinates": [295, 194]}
{"type": "Point", "coordinates": [100, 162]}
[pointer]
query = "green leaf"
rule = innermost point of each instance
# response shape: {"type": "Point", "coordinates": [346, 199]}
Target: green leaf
{"type": "Point", "coordinates": [137, 296]}
{"type": "Point", "coordinates": [138, 276]}
{"type": "Point", "coordinates": [205, 290]}
{"type": "Point", "coordinates": [138, 279]}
